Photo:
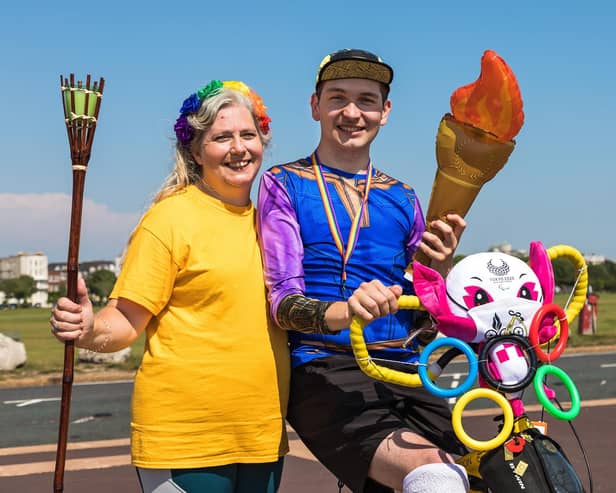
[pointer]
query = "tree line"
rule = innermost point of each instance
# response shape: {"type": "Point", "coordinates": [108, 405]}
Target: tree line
{"type": "Point", "coordinates": [602, 277]}
{"type": "Point", "coordinates": [100, 283]}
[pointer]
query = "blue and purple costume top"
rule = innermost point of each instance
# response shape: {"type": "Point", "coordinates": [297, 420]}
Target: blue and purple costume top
{"type": "Point", "coordinates": [300, 256]}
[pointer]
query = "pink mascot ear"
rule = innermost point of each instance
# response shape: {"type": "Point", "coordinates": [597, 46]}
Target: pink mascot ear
{"type": "Point", "coordinates": [540, 263]}
{"type": "Point", "coordinates": [430, 289]}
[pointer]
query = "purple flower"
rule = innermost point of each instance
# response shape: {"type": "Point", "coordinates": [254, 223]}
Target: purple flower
{"type": "Point", "coordinates": [191, 105]}
{"type": "Point", "coordinates": [183, 130]}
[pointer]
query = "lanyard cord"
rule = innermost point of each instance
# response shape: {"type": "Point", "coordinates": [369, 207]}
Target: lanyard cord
{"type": "Point", "coordinates": [330, 213]}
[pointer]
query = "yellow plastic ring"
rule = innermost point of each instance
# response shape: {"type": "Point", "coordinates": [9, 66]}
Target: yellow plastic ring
{"type": "Point", "coordinates": [577, 259]}
{"type": "Point", "coordinates": [369, 366]}
{"type": "Point", "coordinates": [456, 419]}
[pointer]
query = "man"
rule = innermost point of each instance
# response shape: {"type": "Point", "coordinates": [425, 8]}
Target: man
{"type": "Point", "coordinates": [336, 234]}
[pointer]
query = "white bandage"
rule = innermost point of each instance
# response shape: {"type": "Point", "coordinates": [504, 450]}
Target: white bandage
{"type": "Point", "coordinates": [436, 478]}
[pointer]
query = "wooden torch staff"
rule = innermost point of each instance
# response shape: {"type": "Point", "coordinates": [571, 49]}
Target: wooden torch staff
{"type": "Point", "coordinates": [81, 106]}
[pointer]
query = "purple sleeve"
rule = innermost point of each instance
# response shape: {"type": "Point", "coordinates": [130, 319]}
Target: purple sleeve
{"type": "Point", "coordinates": [280, 240]}
{"type": "Point", "coordinates": [419, 226]}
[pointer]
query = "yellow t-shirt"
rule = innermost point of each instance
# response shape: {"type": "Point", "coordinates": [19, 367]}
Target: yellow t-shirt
{"type": "Point", "coordinates": [213, 384]}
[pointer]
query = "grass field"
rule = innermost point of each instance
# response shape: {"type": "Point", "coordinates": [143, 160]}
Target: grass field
{"type": "Point", "coordinates": [45, 354]}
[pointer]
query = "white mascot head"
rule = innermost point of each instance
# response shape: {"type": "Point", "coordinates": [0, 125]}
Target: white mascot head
{"type": "Point", "coordinates": [500, 293]}
{"type": "Point", "coordinates": [487, 294]}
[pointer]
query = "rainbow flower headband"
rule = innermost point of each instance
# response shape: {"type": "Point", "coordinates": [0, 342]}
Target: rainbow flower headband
{"type": "Point", "coordinates": [184, 132]}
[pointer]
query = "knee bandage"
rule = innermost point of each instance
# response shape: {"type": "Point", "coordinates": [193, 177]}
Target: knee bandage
{"type": "Point", "coordinates": [436, 478]}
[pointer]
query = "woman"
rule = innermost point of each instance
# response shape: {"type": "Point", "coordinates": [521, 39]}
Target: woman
{"type": "Point", "coordinates": [210, 395]}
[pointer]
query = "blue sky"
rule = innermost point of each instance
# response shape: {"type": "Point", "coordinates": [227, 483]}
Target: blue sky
{"type": "Point", "coordinates": [557, 186]}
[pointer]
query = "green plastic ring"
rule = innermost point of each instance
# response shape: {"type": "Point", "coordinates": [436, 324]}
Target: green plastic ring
{"type": "Point", "coordinates": [572, 413]}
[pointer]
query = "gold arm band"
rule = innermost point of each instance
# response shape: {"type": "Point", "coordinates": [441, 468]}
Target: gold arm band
{"type": "Point", "coordinates": [307, 315]}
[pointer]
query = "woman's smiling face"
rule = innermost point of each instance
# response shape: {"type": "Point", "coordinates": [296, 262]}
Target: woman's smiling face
{"type": "Point", "coordinates": [230, 154]}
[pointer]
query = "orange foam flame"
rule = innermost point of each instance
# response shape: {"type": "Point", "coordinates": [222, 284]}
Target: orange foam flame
{"type": "Point", "coordinates": [493, 102]}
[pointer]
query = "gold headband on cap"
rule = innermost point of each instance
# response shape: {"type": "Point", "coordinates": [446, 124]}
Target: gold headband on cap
{"type": "Point", "coordinates": [354, 64]}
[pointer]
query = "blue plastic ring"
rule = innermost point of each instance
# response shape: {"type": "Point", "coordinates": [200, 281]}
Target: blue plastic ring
{"type": "Point", "coordinates": [472, 367]}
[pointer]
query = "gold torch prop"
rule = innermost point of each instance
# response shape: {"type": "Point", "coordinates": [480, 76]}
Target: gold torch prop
{"type": "Point", "coordinates": [81, 106]}
{"type": "Point", "coordinates": [474, 143]}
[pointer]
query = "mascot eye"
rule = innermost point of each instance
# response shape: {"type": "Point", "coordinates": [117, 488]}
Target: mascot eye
{"type": "Point", "coordinates": [476, 296]}
{"type": "Point", "coordinates": [528, 292]}
{"type": "Point", "coordinates": [490, 333]}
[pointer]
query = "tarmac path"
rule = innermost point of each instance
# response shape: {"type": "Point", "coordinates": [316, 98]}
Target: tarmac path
{"type": "Point", "coordinates": [98, 453]}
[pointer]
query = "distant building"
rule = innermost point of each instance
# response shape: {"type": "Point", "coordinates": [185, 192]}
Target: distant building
{"type": "Point", "coordinates": [56, 277]}
{"type": "Point", "coordinates": [508, 249]}
{"type": "Point", "coordinates": [28, 264]}
{"type": "Point", "coordinates": [49, 277]}
{"type": "Point", "coordinates": [501, 247]}
{"type": "Point", "coordinates": [57, 272]}
{"type": "Point", "coordinates": [92, 266]}
{"type": "Point", "coordinates": [594, 259]}
{"type": "Point", "coordinates": [591, 259]}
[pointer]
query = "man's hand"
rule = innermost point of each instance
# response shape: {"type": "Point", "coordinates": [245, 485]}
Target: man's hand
{"type": "Point", "coordinates": [373, 300]}
{"type": "Point", "coordinates": [440, 244]}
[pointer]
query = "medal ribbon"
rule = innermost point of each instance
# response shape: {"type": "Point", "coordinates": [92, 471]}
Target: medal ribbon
{"type": "Point", "coordinates": [330, 213]}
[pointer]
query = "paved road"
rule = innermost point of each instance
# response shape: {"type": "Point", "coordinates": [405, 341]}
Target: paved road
{"type": "Point", "coordinates": [98, 458]}
{"type": "Point", "coordinates": [103, 467]}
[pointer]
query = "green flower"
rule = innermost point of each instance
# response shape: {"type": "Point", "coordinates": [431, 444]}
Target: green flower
{"type": "Point", "coordinates": [211, 89]}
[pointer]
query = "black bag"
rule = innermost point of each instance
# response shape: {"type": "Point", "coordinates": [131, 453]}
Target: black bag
{"type": "Point", "coordinates": [532, 463]}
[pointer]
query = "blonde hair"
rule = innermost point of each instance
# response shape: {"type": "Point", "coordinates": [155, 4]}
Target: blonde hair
{"type": "Point", "coordinates": [186, 171]}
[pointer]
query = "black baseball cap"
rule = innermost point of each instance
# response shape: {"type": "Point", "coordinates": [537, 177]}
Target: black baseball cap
{"type": "Point", "coordinates": [354, 64]}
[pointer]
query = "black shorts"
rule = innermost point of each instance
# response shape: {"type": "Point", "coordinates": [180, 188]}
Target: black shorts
{"type": "Point", "coordinates": [342, 415]}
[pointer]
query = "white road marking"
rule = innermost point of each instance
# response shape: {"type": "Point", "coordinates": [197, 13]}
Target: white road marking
{"type": "Point", "coordinates": [30, 402]}
{"type": "Point", "coordinates": [454, 384]}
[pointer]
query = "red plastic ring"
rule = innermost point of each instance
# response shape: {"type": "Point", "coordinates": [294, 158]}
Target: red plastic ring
{"type": "Point", "coordinates": [533, 336]}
